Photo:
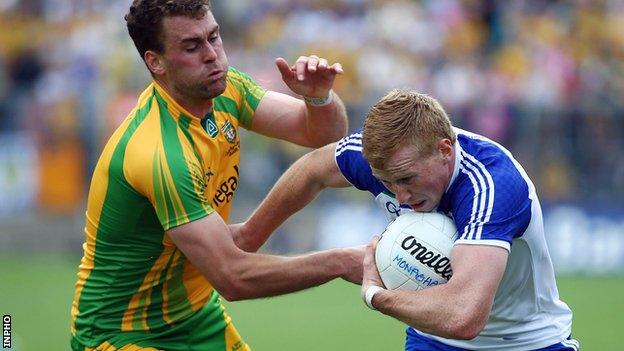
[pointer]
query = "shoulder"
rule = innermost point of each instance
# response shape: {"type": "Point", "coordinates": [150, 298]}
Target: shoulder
{"type": "Point", "coordinates": [240, 81]}
{"type": "Point", "coordinates": [154, 144]}
{"type": "Point", "coordinates": [354, 166]}
{"type": "Point", "coordinates": [241, 97]}
{"type": "Point", "coordinates": [349, 155]}
{"type": "Point", "coordinates": [141, 131]}
{"type": "Point", "coordinates": [350, 146]}
{"type": "Point", "coordinates": [238, 76]}
{"type": "Point", "coordinates": [491, 198]}
{"type": "Point", "coordinates": [488, 163]}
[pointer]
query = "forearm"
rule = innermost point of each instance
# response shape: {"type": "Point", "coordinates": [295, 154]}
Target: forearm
{"type": "Point", "coordinates": [431, 310]}
{"type": "Point", "coordinates": [267, 218]}
{"type": "Point", "coordinates": [458, 309]}
{"type": "Point", "coordinates": [296, 188]}
{"type": "Point", "coordinates": [264, 275]}
{"type": "Point", "coordinates": [326, 124]}
{"type": "Point", "coordinates": [237, 275]}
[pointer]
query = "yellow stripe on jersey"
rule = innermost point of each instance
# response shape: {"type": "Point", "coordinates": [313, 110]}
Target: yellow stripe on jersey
{"type": "Point", "coordinates": [233, 340]}
{"type": "Point", "coordinates": [194, 280]}
{"type": "Point", "coordinates": [135, 317]}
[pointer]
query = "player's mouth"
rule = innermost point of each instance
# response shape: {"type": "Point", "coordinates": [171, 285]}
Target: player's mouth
{"type": "Point", "coordinates": [216, 75]}
{"type": "Point", "coordinates": [417, 205]}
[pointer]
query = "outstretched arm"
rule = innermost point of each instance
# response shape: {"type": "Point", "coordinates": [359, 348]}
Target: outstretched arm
{"type": "Point", "coordinates": [239, 275]}
{"type": "Point", "coordinates": [297, 187]}
{"type": "Point", "coordinates": [305, 123]}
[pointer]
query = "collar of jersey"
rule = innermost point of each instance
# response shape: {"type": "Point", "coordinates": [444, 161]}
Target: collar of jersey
{"type": "Point", "coordinates": [174, 108]}
{"type": "Point", "coordinates": [458, 150]}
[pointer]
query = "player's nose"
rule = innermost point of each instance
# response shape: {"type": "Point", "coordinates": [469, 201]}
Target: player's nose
{"type": "Point", "coordinates": [402, 194]}
{"type": "Point", "coordinates": [210, 53]}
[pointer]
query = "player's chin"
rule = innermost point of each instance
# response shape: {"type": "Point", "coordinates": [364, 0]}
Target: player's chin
{"type": "Point", "coordinates": [219, 84]}
{"type": "Point", "coordinates": [214, 89]}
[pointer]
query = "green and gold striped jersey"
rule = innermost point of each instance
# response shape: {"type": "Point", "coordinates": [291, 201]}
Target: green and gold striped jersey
{"type": "Point", "coordinates": [162, 168]}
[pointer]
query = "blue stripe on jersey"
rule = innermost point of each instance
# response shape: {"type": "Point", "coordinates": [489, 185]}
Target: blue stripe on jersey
{"type": "Point", "coordinates": [352, 142]}
{"type": "Point", "coordinates": [348, 147]}
{"type": "Point", "coordinates": [483, 203]}
{"type": "Point", "coordinates": [476, 200]}
{"type": "Point", "coordinates": [354, 139]}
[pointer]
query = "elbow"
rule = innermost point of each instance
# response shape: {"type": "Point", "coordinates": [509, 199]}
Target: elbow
{"type": "Point", "coordinates": [231, 295]}
{"type": "Point", "coordinates": [231, 291]}
{"type": "Point", "coordinates": [227, 289]}
{"type": "Point", "coordinates": [466, 327]}
{"type": "Point", "coordinates": [230, 286]}
{"type": "Point", "coordinates": [246, 240]}
{"type": "Point", "coordinates": [464, 333]}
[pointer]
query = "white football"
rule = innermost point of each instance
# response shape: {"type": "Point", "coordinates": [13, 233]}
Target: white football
{"type": "Point", "coordinates": [414, 251]}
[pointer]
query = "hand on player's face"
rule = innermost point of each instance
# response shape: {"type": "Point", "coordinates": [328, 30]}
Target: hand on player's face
{"type": "Point", "coordinates": [371, 275]}
{"type": "Point", "coordinates": [310, 76]}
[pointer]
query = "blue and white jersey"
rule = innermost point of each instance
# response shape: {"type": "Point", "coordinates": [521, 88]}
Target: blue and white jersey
{"type": "Point", "coordinates": [493, 202]}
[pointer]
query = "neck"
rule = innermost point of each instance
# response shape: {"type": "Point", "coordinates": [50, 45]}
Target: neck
{"type": "Point", "coordinates": [197, 107]}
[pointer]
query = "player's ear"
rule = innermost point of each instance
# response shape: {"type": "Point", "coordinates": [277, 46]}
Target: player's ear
{"type": "Point", "coordinates": [154, 62]}
{"type": "Point", "coordinates": [445, 146]}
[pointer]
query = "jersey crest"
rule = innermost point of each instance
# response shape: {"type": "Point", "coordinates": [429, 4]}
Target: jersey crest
{"type": "Point", "coordinates": [229, 132]}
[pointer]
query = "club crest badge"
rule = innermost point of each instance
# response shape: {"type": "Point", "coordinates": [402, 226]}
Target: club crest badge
{"type": "Point", "coordinates": [229, 132]}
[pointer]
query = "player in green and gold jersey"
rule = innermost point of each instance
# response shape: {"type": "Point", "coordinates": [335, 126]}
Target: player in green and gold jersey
{"type": "Point", "coordinates": [158, 253]}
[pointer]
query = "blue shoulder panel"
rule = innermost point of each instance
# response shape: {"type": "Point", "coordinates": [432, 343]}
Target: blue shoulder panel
{"type": "Point", "coordinates": [354, 166]}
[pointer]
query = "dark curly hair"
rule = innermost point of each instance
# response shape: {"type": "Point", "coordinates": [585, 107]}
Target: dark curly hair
{"type": "Point", "coordinates": [145, 20]}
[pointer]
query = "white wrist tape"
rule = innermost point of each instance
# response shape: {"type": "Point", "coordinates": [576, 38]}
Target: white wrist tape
{"type": "Point", "coordinates": [319, 101]}
{"type": "Point", "coordinates": [368, 295]}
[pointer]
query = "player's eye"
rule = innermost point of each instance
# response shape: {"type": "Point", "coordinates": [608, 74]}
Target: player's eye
{"type": "Point", "coordinates": [214, 37]}
{"type": "Point", "coordinates": [406, 180]}
{"type": "Point", "coordinates": [191, 48]}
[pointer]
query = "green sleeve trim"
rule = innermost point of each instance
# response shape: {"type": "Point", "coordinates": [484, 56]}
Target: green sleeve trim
{"type": "Point", "coordinates": [251, 93]}
{"type": "Point", "coordinates": [191, 217]}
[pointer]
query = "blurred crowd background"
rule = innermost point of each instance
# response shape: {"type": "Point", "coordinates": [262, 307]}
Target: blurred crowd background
{"type": "Point", "coordinates": [543, 77]}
